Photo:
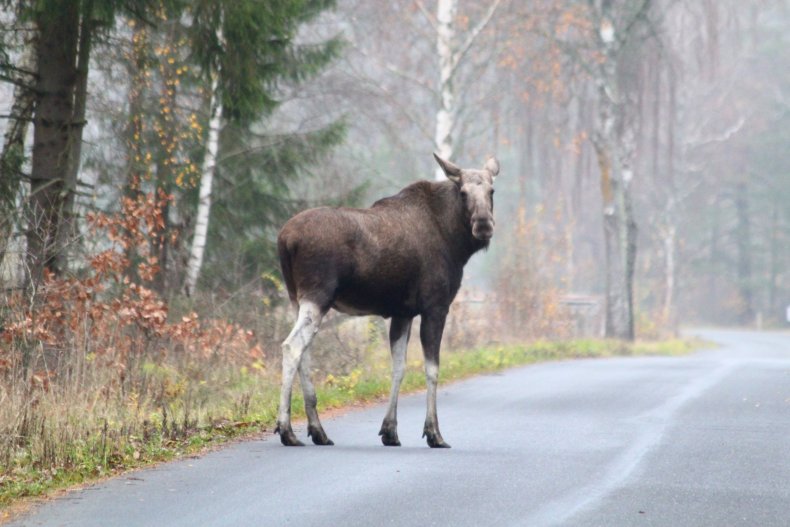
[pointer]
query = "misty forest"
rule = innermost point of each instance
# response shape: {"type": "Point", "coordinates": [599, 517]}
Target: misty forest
{"type": "Point", "coordinates": [152, 150]}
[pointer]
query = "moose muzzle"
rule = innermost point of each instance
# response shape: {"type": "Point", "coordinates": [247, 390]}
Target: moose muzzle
{"type": "Point", "coordinates": [483, 228]}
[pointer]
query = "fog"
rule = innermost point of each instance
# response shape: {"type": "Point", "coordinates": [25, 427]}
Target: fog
{"type": "Point", "coordinates": [645, 179]}
{"type": "Point", "coordinates": [701, 122]}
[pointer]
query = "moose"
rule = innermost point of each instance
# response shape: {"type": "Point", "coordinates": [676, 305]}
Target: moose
{"type": "Point", "coordinates": [403, 257]}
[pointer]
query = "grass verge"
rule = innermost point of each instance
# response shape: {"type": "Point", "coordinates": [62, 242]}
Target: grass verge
{"type": "Point", "coordinates": [112, 445]}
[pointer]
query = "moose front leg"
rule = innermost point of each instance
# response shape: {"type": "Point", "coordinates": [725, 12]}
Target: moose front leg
{"type": "Point", "coordinates": [400, 330]}
{"type": "Point", "coordinates": [431, 328]}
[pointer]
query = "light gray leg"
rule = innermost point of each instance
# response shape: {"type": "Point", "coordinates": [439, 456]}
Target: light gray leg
{"type": "Point", "coordinates": [314, 428]}
{"type": "Point", "coordinates": [307, 323]}
{"type": "Point", "coordinates": [400, 331]}
{"type": "Point", "coordinates": [431, 416]}
{"type": "Point", "coordinates": [431, 328]}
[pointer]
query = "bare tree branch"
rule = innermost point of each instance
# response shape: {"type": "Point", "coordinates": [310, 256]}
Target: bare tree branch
{"type": "Point", "coordinates": [467, 45]}
{"type": "Point", "coordinates": [723, 137]}
{"type": "Point", "coordinates": [395, 70]}
{"type": "Point", "coordinates": [428, 16]}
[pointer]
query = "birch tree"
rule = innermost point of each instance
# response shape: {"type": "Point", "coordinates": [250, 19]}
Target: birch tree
{"type": "Point", "coordinates": [245, 52]}
{"type": "Point", "coordinates": [451, 55]}
{"type": "Point", "coordinates": [614, 140]}
{"type": "Point", "coordinates": [198, 245]}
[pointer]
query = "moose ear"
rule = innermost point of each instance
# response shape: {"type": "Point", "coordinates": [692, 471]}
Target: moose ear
{"type": "Point", "coordinates": [492, 165]}
{"type": "Point", "coordinates": [452, 172]}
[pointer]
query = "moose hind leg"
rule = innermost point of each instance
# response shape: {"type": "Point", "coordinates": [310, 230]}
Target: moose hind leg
{"type": "Point", "coordinates": [298, 340]}
{"type": "Point", "coordinates": [400, 330]}
{"type": "Point", "coordinates": [431, 329]}
{"type": "Point", "coordinates": [314, 428]}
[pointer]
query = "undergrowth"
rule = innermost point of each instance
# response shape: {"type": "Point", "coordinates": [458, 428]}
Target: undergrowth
{"type": "Point", "coordinates": [95, 445]}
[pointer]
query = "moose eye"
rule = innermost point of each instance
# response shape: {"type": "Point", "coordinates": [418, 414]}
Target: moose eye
{"type": "Point", "coordinates": [491, 192]}
{"type": "Point", "coordinates": [463, 194]}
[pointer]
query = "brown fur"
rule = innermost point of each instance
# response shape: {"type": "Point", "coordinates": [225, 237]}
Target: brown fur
{"type": "Point", "coordinates": [402, 257]}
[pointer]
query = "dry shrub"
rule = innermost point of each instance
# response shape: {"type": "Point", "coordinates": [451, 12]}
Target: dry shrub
{"type": "Point", "coordinates": [91, 365]}
{"type": "Point", "coordinates": [531, 282]}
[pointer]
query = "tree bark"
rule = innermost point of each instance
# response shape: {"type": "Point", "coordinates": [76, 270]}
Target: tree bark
{"type": "Point", "coordinates": [57, 78]}
{"type": "Point", "coordinates": [165, 171]}
{"type": "Point", "coordinates": [67, 231]}
{"type": "Point", "coordinates": [136, 163]}
{"type": "Point", "coordinates": [773, 308]}
{"type": "Point", "coordinates": [12, 157]}
{"type": "Point", "coordinates": [445, 48]}
{"type": "Point", "coordinates": [197, 250]}
{"type": "Point", "coordinates": [669, 237]}
{"type": "Point", "coordinates": [614, 141]}
{"type": "Point", "coordinates": [744, 244]}
{"type": "Point", "coordinates": [620, 246]}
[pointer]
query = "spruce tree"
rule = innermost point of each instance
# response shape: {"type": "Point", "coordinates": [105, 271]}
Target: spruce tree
{"type": "Point", "coordinates": [251, 47]}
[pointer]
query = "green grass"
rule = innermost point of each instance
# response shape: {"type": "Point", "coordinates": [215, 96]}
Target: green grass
{"type": "Point", "coordinates": [373, 383]}
{"type": "Point", "coordinates": [249, 407]}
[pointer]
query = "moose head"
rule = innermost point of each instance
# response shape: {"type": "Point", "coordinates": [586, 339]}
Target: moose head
{"type": "Point", "coordinates": [476, 188]}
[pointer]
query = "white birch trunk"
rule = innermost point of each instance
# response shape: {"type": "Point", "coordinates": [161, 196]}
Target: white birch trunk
{"type": "Point", "coordinates": [614, 141]}
{"type": "Point", "coordinates": [445, 48]}
{"type": "Point", "coordinates": [206, 181]}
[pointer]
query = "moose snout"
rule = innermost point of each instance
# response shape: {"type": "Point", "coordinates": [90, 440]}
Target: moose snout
{"type": "Point", "coordinates": [483, 228]}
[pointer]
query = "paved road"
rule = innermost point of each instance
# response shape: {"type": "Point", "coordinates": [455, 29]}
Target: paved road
{"type": "Point", "coordinates": [700, 440]}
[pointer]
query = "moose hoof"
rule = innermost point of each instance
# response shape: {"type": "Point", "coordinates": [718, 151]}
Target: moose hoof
{"type": "Point", "coordinates": [287, 436]}
{"type": "Point", "coordinates": [389, 436]}
{"type": "Point", "coordinates": [318, 436]}
{"type": "Point", "coordinates": [435, 440]}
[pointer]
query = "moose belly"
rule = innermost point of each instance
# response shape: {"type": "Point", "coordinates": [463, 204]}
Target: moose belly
{"type": "Point", "coordinates": [384, 302]}
{"type": "Point", "coordinates": [350, 309]}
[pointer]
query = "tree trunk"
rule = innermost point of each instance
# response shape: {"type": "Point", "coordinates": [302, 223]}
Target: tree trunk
{"type": "Point", "coordinates": [614, 141]}
{"type": "Point", "coordinates": [12, 157]}
{"type": "Point", "coordinates": [445, 48]}
{"type": "Point", "coordinates": [206, 180]}
{"type": "Point", "coordinates": [744, 244]}
{"type": "Point", "coordinates": [165, 174]}
{"type": "Point", "coordinates": [620, 247]}
{"type": "Point", "coordinates": [669, 236]}
{"type": "Point", "coordinates": [57, 78]}
{"type": "Point", "coordinates": [136, 163]}
{"type": "Point", "coordinates": [714, 265]}
{"type": "Point", "coordinates": [67, 231]}
{"type": "Point", "coordinates": [773, 308]}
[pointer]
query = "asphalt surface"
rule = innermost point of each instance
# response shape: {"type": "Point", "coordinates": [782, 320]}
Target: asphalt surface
{"type": "Point", "coordinates": [698, 440]}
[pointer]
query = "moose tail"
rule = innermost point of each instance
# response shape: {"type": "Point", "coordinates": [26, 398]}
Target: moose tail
{"type": "Point", "coordinates": [285, 265]}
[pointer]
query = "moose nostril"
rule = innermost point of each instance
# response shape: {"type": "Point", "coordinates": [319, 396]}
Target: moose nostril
{"type": "Point", "coordinates": [483, 227]}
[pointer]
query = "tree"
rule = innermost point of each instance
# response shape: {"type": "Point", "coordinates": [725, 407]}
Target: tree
{"type": "Point", "coordinates": [66, 31]}
{"type": "Point", "coordinates": [198, 246]}
{"type": "Point", "coordinates": [246, 52]}
{"type": "Point", "coordinates": [451, 54]}
{"type": "Point", "coordinates": [12, 156]}
{"type": "Point", "coordinates": [614, 139]}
